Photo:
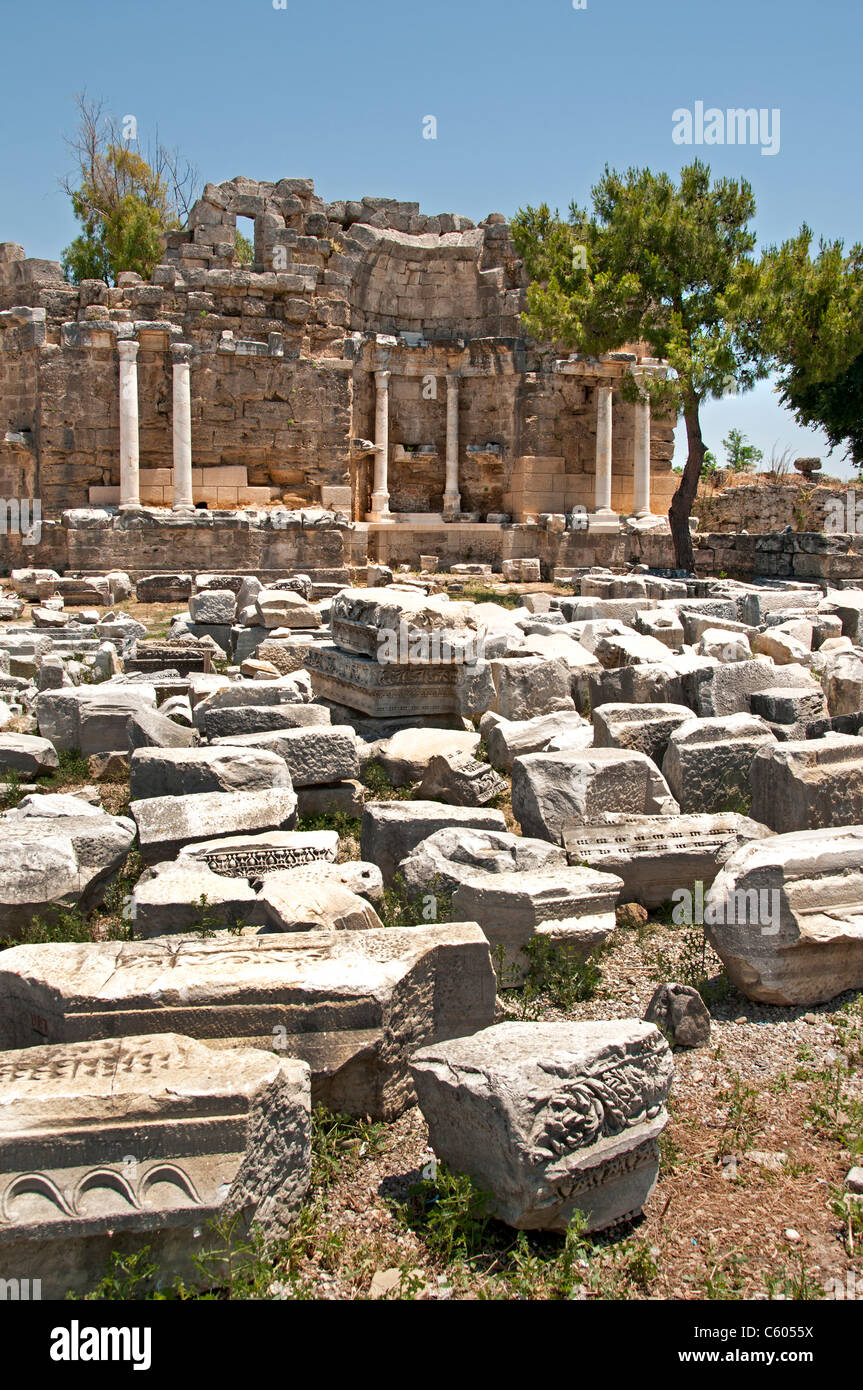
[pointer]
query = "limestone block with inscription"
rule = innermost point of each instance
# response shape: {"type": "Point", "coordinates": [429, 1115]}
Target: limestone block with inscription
{"type": "Point", "coordinates": [136, 1141]}
{"type": "Point", "coordinates": [353, 1005]}
{"type": "Point", "coordinates": [551, 1118]}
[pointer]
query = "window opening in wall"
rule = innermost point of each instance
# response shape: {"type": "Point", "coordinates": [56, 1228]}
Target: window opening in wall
{"type": "Point", "coordinates": [244, 253]}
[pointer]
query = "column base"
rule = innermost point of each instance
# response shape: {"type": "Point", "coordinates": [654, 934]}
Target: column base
{"type": "Point", "coordinates": [451, 503]}
{"type": "Point", "coordinates": [131, 507]}
{"type": "Point", "coordinates": [603, 521]}
{"type": "Point", "coordinates": [186, 508]}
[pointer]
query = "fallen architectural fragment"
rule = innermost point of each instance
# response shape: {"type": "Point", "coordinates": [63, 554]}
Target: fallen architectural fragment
{"type": "Point", "coordinates": [122, 1143]}
{"type": "Point", "coordinates": [352, 1004]}
{"type": "Point", "coordinates": [786, 916]}
{"type": "Point", "coordinates": [391, 830]}
{"type": "Point", "coordinates": [655, 855]}
{"type": "Point", "coordinates": [57, 852]}
{"type": "Point", "coordinates": [167, 823]}
{"type": "Point", "coordinates": [809, 785]}
{"type": "Point", "coordinates": [707, 762]}
{"type": "Point", "coordinates": [255, 856]}
{"type": "Point", "coordinates": [680, 1014]}
{"type": "Point", "coordinates": [550, 790]}
{"type": "Point", "coordinates": [551, 1118]}
{"type": "Point", "coordinates": [460, 780]}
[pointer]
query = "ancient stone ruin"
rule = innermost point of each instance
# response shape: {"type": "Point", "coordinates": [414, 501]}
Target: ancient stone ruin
{"type": "Point", "coordinates": [359, 743]}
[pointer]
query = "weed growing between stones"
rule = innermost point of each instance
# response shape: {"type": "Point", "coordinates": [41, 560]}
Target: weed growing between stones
{"type": "Point", "coordinates": [401, 909]}
{"type": "Point", "coordinates": [556, 977]}
{"type": "Point", "coordinates": [374, 776]}
{"type": "Point", "coordinates": [691, 961]}
{"type": "Point", "coordinates": [476, 593]}
{"type": "Point", "coordinates": [450, 1215]}
{"type": "Point", "coordinates": [340, 1140]}
{"type": "Point", "coordinates": [12, 791]}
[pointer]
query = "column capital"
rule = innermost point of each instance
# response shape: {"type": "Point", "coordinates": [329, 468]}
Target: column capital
{"type": "Point", "coordinates": [181, 352]}
{"type": "Point", "coordinates": [452, 380]}
{"type": "Point", "coordinates": [128, 349]}
{"type": "Point", "coordinates": [382, 378]}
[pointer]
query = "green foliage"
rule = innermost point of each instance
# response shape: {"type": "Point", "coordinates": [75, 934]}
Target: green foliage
{"type": "Point", "coordinates": [741, 1116]}
{"type": "Point", "coordinates": [340, 1141]}
{"type": "Point", "coordinates": [123, 201]}
{"type": "Point", "coordinates": [129, 1277]}
{"type": "Point", "coordinates": [742, 456]}
{"type": "Point", "coordinates": [244, 253]}
{"type": "Point", "coordinates": [374, 776]}
{"type": "Point", "coordinates": [13, 790]}
{"type": "Point", "coordinates": [479, 593]}
{"type": "Point", "coordinates": [556, 976]}
{"type": "Point", "coordinates": [123, 210]}
{"type": "Point", "coordinates": [805, 312]}
{"type": "Point", "coordinates": [450, 1213]}
{"type": "Point", "coordinates": [691, 961]}
{"type": "Point", "coordinates": [211, 919]}
{"type": "Point", "coordinates": [401, 909]}
{"type": "Point", "coordinates": [345, 826]}
{"type": "Point", "coordinates": [653, 263]}
{"type": "Point", "coordinates": [73, 769]}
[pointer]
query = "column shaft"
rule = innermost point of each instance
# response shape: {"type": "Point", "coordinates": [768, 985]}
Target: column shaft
{"type": "Point", "coordinates": [602, 482]}
{"type": "Point", "coordinates": [641, 459]}
{"type": "Point", "coordinates": [130, 496]}
{"type": "Point", "coordinates": [452, 496]}
{"type": "Point", "coordinates": [380, 492]}
{"type": "Point", "coordinates": [182, 433]}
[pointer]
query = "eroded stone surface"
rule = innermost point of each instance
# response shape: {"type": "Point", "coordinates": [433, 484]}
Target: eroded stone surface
{"type": "Point", "coordinates": [353, 1005]}
{"type": "Point", "coordinates": [125, 1142]}
{"type": "Point", "coordinates": [551, 1118]}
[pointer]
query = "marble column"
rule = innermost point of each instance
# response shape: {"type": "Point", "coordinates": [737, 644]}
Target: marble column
{"type": "Point", "coordinates": [641, 458]}
{"type": "Point", "coordinates": [380, 492]}
{"type": "Point", "coordinates": [451, 496]}
{"type": "Point", "coordinates": [602, 480]}
{"type": "Point", "coordinates": [130, 496]}
{"type": "Point", "coordinates": [182, 429]}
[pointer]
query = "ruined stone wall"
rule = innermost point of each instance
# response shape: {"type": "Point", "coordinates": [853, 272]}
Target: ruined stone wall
{"type": "Point", "coordinates": [284, 352]}
{"type": "Point", "coordinates": [771, 506]}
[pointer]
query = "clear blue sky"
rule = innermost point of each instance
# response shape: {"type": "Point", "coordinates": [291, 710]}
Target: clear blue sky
{"type": "Point", "coordinates": [531, 100]}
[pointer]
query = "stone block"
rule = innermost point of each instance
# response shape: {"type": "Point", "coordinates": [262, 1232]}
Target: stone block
{"type": "Point", "coordinates": [215, 1136]}
{"type": "Point", "coordinates": [551, 1118]}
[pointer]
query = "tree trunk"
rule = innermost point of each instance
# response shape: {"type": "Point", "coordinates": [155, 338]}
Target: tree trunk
{"type": "Point", "coordinates": [681, 503]}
